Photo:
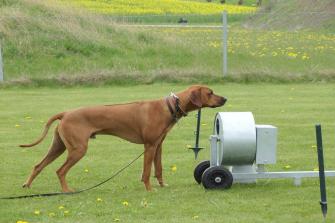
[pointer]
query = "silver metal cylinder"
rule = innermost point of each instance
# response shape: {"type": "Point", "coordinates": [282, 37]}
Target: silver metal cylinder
{"type": "Point", "coordinates": [237, 134]}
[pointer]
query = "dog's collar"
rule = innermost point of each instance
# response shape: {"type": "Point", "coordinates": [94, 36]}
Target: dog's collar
{"type": "Point", "coordinates": [177, 112]}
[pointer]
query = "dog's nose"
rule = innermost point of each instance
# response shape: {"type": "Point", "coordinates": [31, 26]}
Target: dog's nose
{"type": "Point", "coordinates": [224, 100]}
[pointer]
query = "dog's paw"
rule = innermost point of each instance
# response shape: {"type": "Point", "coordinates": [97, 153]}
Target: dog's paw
{"type": "Point", "coordinates": [68, 190]}
{"type": "Point", "coordinates": [163, 184]}
{"type": "Point", "coordinates": [25, 185]}
{"type": "Point", "coordinates": [148, 187]}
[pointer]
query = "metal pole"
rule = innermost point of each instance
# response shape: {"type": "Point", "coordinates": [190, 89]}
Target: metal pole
{"type": "Point", "coordinates": [196, 147]}
{"type": "Point", "coordinates": [224, 42]}
{"type": "Point", "coordinates": [198, 129]}
{"type": "Point", "coordinates": [323, 201]}
{"type": "Point", "coordinates": [1, 69]}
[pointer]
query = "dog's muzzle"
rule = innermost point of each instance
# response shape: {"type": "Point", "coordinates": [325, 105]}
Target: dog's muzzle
{"type": "Point", "coordinates": [224, 100]}
{"type": "Point", "coordinates": [220, 102]}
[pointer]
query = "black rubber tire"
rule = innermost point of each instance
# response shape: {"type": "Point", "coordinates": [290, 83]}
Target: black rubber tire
{"type": "Point", "coordinates": [200, 169]}
{"type": "Point", "coordinates": [217, 177]}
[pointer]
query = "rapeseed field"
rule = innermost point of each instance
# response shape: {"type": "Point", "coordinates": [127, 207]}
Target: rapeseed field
{"type": "Point", "coordinates": [160, 7]}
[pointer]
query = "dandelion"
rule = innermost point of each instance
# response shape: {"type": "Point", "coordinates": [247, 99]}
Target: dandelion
{"type": "Point", "coordinates": [305, 57]}
{"type": "Point", "coordinates": [99, 199]}
{"type": "Point", "coordinates": [61, 207]}
{"type": "Point", "coordinates": [27, 117]}
{"type": "Point", "coordinates": [314, 147]}
{"type": "Point", "coordinates": [214, 44]}
{"type": "Point", "coordinates": [52, 214]}
{"type": "Point", "coordinates": [195, 217]}
{"type": "Point", "coordinates": [66, 212]}
{"type": "Point", "coordinates": [188, 146]}
{"type": "Point", "coordinates": [125, 203]}
{"type": "Point", "coordinates": [292, 55]}
{"type": "Point", "coordinates": [20, 221]}
{"type": "Point", "coordinates": [174, 168]}
{"type": "Point", "coordinates": [86, 170]}
{"type": "Point", "coordinates": [203, 124]}
{"type": "Point", "coordinates": [37, 212]}
{"type": "Point", "coordinates": [17, 125]}
{"type": "Point", "coordinates": [116, 219]}
{"type": "Point", "coordinates": [287, 167]}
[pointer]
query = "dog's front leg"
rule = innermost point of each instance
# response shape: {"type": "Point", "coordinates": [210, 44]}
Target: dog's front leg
{"type": "Point", "coordinates": [158, 166]}
{"type": "Point", "coordinates": [149, 154]}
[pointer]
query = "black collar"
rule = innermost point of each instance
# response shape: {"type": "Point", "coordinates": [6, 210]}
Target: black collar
{"type": "Point", "coordinates": [177, 112]}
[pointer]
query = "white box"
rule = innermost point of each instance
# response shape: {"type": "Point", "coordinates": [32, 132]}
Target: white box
{"type": "Point", "coordinates": [266, 144]}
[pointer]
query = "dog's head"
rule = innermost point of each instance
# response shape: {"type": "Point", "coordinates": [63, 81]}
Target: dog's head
{"type": "Point", "coordinates": [202, 96]}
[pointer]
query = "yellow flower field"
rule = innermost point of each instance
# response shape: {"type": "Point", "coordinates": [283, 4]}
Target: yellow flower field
{"type": "Point", "coordinates": [260, 44]}
{"type": "Point", "coordinates": [160, 7]}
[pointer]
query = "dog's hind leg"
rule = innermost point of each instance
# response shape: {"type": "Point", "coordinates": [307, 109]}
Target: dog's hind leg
{"type": "Point", "coordinates": [73, 157]}
{"type": "Point", "coordinates": [56, 149]}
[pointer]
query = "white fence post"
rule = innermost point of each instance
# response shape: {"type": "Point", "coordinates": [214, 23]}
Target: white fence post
{"type": "Point", "coordinates": [224, 43]}
{"type": "Point", "coordinates": [1, 69]}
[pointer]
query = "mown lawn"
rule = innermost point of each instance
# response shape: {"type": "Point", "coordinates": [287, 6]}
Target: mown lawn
{"type": "Point", "coordinates": [293, 108]}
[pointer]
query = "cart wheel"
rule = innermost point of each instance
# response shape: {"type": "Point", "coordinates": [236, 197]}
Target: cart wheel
{"type": "Point", "coordinates": [200, 169]}
{"type": "Point", "coordinates": [217, 177]}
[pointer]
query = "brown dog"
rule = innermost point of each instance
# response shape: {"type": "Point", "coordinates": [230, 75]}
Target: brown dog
{"type": "Point", "coordinates": [145, 122]}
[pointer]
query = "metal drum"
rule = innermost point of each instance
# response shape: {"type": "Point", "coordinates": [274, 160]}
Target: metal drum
{"type": "Point", "coordinates": [237, 138]}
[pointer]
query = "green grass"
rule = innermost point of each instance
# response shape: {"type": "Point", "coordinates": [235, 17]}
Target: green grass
{"type": "Point", "coordinates": [46, 44]}
{"type": "Point", "coordinates": [295, 15]}
{"type": "Point", "coordinates": [293, 108]}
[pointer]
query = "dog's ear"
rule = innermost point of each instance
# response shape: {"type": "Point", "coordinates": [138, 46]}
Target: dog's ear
{"type": "Point", "coordinates": [196, 98]}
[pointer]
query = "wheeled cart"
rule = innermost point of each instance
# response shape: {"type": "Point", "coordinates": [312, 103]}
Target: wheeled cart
{"type": "Point", "coordinates": [240, 149]}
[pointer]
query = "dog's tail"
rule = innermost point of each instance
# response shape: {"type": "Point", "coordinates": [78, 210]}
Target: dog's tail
{"type": "Point", "coordinates": [46, 128]}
